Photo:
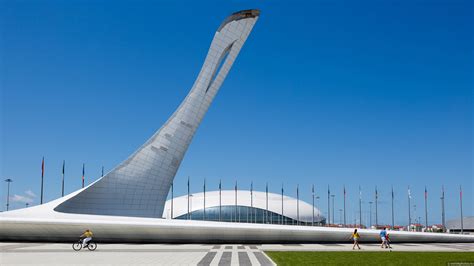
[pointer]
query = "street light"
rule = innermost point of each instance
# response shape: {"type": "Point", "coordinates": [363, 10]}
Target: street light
{"type": "Point", "coordinates": [8, 180]}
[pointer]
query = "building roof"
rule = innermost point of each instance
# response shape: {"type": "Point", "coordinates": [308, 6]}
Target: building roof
{"type": "Point", "coordinates": [180, 204]}
{"type": "Point", "coordinates": [468, 223]}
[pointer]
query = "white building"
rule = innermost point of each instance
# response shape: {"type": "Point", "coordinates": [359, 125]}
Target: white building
{"type": "Point", "coordinates": [243, 206]}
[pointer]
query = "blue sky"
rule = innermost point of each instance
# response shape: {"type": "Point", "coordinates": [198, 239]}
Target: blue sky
{"type": "Point", "coordinates": [325, 93]}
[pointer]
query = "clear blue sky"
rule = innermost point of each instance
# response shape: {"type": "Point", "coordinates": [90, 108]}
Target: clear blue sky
{"type": "Point", "coordinates": [378, 93]}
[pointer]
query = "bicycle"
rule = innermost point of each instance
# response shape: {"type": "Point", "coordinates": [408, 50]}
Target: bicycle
{"type": "Point", "coordinates": [91, 245]}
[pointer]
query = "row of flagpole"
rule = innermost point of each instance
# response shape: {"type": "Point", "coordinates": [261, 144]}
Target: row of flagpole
{"type": "Point", "coordinates": [282, 198]}
{"type": "Point", "coordinates": [330, 216]}
{"type": "Point", "coordinates": [63, 174]}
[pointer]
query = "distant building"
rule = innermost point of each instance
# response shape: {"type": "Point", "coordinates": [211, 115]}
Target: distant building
{"type": "Point", "coordinates": [243, 207]}
{"type": "Point", "coordinates": [454, 226]}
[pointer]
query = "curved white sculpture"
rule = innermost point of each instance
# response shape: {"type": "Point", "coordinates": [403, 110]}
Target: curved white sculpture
{"type": "Point", "coordinates": [139, 186]}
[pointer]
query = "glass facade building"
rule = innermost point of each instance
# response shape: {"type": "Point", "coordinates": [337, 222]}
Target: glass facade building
{"type": "Point", "coordinates": [243, 206]}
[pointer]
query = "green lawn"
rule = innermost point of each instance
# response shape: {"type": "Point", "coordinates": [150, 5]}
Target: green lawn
{"type": "Point", "coordinates": [368, 258]}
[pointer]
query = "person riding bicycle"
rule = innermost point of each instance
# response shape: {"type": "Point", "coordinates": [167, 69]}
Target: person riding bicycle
{"type": "Point", "coordinates": [87, 237]}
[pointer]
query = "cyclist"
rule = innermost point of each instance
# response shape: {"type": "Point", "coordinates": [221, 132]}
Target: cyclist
{"type": "Point", "coordinates": [87, 237]}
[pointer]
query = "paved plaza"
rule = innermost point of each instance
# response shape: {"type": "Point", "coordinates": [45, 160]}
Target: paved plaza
{"type": "Point", "coordinates": [186, 254]}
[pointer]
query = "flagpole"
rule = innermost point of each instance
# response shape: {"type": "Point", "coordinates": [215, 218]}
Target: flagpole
{"type": "Point", "coordinates": [83, 174]}
{"type": "Point", "coordinates": [329, 206]}
{"type": "Point", "coordinates": [426, 208]}
{"type": "Point", "coordinates": [251, 201]}
{"type": "Point", "coordinates": [298, 204]}
{"type": "Point", "coordinates": [460, 202]}
{"type": "Point", "coordinates": [42, 180]}
{"type": "Point", "coordinates": [360, 207]}
{"type": "Point", "coordinates": [235, 201]}
{"type": "Point", "coordinates": [188, 200]}
{"type": "Point", "coordinates": [204, 209]}
{"type": "Point", "coordinates": [220, 199]}
{"type": "Point", "coordinates": [344, 206]}
{"type": "Point", "coordinates": [62, 185]}
{"type": "Point", "coordinates": [281, 203]}
{"type": "Point", "coordinates": [172, 198]}
{"type": "Point", "coordinates": [266, 202]}
{"type": "Point", "coordinates": [393, 220]}
{"type": "Point", "coordinates": [409, 209]}
{"type": "Point", "coordinates": [312, 193]}
{"type": "Point", "coordinates": [376, 207]}
{"type": "Point", "coordinates": [443, 220]}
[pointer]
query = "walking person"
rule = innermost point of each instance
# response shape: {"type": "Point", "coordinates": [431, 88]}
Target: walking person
{"type": "Point", "coordinates": [355, 236]}
{"type": "Point", "coordinates": [383, 237]}
{"type": "Point", "coordinates": [387, 238]}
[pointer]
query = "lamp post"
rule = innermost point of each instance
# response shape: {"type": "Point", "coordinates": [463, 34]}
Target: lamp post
{"type": "Point", "coordinates": [8, 180]}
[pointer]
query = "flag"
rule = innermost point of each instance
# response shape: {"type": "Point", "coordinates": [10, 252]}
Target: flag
{"type": "Point", "coordinates": [42, 167]}
{"type": "Point", "coordinates": [83, 173]}
{"type": "Point", "coordinates": [312, 190]}
{"type": "Point", "coordinates": [376, 193]}
{"type": "Point", "coordinates": [393, 196]}
{"type": "Point", "coordinates": [460, 192]}
{"type": "Point", "coordinates": [220, 184]}
{"type": "Point", "coordinates": [344, 191]}
{"type": "Point", "coordinates": [360, 193]}
{"type": "Point", "coordinates": [426, 193]}
{"type": "Point", "coordinates": [64, 163]}
{"type": "Point", "coordinates": [409, 193]}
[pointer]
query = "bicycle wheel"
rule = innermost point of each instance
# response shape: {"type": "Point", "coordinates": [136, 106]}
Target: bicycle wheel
{"type": "Point", "coordinates": [77, 246]}
{"type": "Point", "coordinates": [92, 246]}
